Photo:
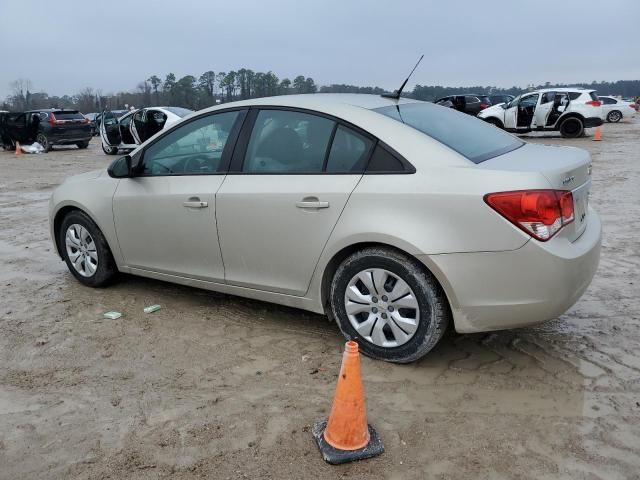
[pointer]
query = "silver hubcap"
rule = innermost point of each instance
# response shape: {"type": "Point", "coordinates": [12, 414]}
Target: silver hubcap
{"type": "Point", "coordinates": [382, 308]}
{"type": "Point", "coordinates": [81, 250]}
{"type": "Point", "coordinates": [614, 116]}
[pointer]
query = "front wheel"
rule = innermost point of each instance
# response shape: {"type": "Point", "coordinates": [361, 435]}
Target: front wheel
{"type": "Point", "coordinates": [42, 139]}
{"type": "Point", "coordinates": [388, 303]}
{"type": "Point", "coordinates": [572, 127]}
{"type": "Point", "coordinates": [85, 250]}
{"type": "Point", "coordinates": [109, 150]}
{"type": "Point", "coordinates": [495, 122]}
{"type": "Point", "coordinates": [614, 116]}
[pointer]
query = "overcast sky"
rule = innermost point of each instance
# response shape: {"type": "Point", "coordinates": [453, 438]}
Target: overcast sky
{"type": "Point", "coordinates": [64, 46]}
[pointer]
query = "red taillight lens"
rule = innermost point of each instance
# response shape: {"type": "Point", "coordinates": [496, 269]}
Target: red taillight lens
{"type": "Point", "coordinates": [540, 213]}
{"type": "Point", "coordinates": [594, 103]}
{"type": "Point", "coordinates": [52, 119]}
{"type": "Point", "coordinates": [484, 105]}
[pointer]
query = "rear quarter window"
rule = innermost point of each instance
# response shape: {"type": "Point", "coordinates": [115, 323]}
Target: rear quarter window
{"type": "Point", "coordinates": [471, 137]}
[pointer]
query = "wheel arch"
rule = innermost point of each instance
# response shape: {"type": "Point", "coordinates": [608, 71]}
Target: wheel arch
{"type": "Point", "coordinates": [59, 218]}
{"type": "Point", "coordinates": [494, 121]}
{"type": "Point", "coordinates": [338, 257]}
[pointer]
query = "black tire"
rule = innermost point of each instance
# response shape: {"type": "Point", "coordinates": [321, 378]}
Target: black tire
{"type": "Point", "coordinates": [106, 269]}
{"type": "Point", "coordinates": [495, 122]}
{"type": "Point", "coordinates": [435, 313]}
{"type": "Point", "coordinates": [571, 127]}
{"type": "Point", "coordinates": [84, 144]}
{"type": "Point", "coordinates": [42, 139]}
{"type": "Point", "coordinates": [614, 116]}
{"type": "Point", "coordinates": [109, 150]}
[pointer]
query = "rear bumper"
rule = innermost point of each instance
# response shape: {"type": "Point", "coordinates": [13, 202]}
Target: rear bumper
{"type": "Point", "coordinates": [67, 140]}
{"type": "Point", "coordinates": [538, 282]}
{"type": "Point", "coordinates": [591, 122]}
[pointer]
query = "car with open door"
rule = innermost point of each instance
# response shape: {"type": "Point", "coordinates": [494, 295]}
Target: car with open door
{"type": "Point", "coordinates": [48, 127]}
{"type": "Point", "coordinates": [470, 103]}
{"type": "Point", "coordinates": [567, 110]}
{"type": "Point", "coordinates": [394, 217]}
{"type": "Point", "coordinates": [615, 109]}
{"type": "Point", "coordinates": [128, 131]}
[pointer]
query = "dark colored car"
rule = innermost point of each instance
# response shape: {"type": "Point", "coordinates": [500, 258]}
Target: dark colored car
{"type": "Point", "coordinates": [92, 121]}
{"type": "Point", "coordinates": [48, 127]}
{"type": "Point", "coordinates": [496, 99]}
{"type": "Point", "coordinates": [470, 103]}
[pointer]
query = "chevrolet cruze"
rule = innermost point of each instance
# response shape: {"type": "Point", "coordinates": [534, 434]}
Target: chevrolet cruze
{"type": "Point", "coordinates": [396, 218]}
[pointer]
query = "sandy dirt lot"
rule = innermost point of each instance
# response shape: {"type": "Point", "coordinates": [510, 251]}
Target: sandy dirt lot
{"type": "Point", "coordinates": [214, 386]}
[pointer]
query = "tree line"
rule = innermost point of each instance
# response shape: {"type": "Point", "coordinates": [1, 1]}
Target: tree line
{"type": "Point", "coordinates": [213, 88]}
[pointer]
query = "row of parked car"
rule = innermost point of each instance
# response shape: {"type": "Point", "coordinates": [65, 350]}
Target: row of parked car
{"type": "Point", "coordinates": [567, 110]}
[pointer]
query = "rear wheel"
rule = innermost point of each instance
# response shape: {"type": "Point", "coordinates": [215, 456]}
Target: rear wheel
{"type": "Point", "coordinates": [571, 127]}
{"type": "Point", "coordinates": [85, 250]}
{"type": "Point", "coordinates": [388, 303]}
{"type": "Point", "coordinates": [84, 144]}
{"type": "Point", "coordinates": [42, 139]}
{"type": "Point", "coordinates": [109, 150]}
{"type": "Point", "coordinates": [614, 116]}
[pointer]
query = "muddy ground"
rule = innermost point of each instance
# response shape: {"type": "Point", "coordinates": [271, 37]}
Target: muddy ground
{"type": "Point", "coordinates": [214, 386]}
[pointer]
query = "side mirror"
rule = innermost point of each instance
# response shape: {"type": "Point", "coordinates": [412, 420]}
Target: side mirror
{"type": "Point", "coordinates": [121, 168]}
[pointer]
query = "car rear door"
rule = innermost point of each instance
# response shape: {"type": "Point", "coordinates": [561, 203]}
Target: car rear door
{"type": "Point", "coordinates": [290, 180]}
{"type": "Point", "coordinates": [165, 217]}
{"type": "Point", "coordinates": [544, 109]}
{"type": "Point", "coordinates": [110, 129]}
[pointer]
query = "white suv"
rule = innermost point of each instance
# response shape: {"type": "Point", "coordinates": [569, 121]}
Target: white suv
{"type": "Point", "coordinates": [568, 110]}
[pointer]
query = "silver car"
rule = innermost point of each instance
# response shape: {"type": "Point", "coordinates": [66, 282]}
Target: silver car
{"type": "Point", "coordinates": [396, 218]}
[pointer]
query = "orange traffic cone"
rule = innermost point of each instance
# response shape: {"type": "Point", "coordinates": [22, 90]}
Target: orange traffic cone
{"type": "Point", "coordinates": [597, 136]}
{"type": "Point", "coordinates": [346, 436]}
{"type": "Point", "coordinates": [18, 149]}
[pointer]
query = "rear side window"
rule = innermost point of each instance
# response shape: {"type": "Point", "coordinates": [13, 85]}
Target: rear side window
{"type": "Point", "coordinates": [383, 161]}
{"type": "Point", "coordinates": [473, 138]}
{"type": "Point", "coordinates": [574, 95]}
{"type": "Point", "coordinates": [471, 99]}
{"type": "Point", "coordinates": [287, 142]}
{"type": "Point", "coordinates": [68, 115]}
{"type": "Point", "coordinates": [349, 151]}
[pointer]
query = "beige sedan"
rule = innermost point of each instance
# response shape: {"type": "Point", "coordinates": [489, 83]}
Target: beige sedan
{"type": "Point", "coordinates": [396, 218]}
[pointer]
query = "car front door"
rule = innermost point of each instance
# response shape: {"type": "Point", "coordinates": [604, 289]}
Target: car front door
{"type": "Point", "coordinates": [110, 129]}
{"type": "Point", "coordinates": [165, 216]}
{"type": "Point", "coordinates": [526, 109]}
{"type": "Point", "coordinates": [511, 114]}
{"type": "Point", "coordinates": [290, 179]}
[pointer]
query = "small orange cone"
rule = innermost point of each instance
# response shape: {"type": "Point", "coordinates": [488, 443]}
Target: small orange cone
{"type": "Point", "coordinates": [18, 149]}
{"type": "Point", "coordinates": [598, 135]}
{"type": "Point", "coordinates": [346, 436]}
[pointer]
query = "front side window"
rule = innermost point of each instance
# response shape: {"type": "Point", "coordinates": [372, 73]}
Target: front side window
{"type": "Point", "coordinates": [285, 141]}
{"type": "Point", "coordinates": [195, 148]}
{"type": "Point", "coordinates": [547, 97]}
{"type": "Point", "coordinates": [473, 138]}
{"type": "Point", "coordinates": [529, 100]}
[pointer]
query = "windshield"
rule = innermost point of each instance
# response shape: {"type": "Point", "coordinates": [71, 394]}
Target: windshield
{"type": "Point", "coordinates": [471, 137]}
{"type": "Point", "coordinates": [179, 111]}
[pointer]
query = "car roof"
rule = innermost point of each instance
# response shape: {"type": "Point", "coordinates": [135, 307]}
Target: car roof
{"type": "Point", "coordinates": [561, 89]}
{"type": "Point", "coordinates": [319, 101]}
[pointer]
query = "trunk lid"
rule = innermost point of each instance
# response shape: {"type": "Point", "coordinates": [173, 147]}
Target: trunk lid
{"type": "Point", "coordinates": [565, 168]}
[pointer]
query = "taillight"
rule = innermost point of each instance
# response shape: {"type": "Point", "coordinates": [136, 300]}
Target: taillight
{"type": "Point", "coordinates": [594, 103]}
{"type": "Point", "coordinates": [540, 213]}
{"type": "Point", "coordinates": [52, 119]}
{"type": "Point", "coordinates": [484, 105]}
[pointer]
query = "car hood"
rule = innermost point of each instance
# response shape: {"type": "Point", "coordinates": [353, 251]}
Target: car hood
{"type": "Point", "coordinates": [83, 177]}
{"type": "Point", "coordinates": [493, 109]}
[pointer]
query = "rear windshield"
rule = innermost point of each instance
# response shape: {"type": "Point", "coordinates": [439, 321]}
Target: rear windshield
{"type": "Point", "coordinates": [179, 111]}
{"type": "Point", "coordinates": [68, 115]}
{"type": "Point", "coordinates": [473, 138]}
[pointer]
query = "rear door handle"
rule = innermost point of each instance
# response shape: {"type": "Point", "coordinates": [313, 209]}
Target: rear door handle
{"type": "Point", "coordinates": [312, 204]}
{"type": "Point", "coordinates": [194, 202]}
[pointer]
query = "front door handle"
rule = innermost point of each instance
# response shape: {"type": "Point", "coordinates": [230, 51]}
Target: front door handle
{"type": "Point", "coordinates": [315, 203]}
{"type": "Point", "coordinates": [195, 202]}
